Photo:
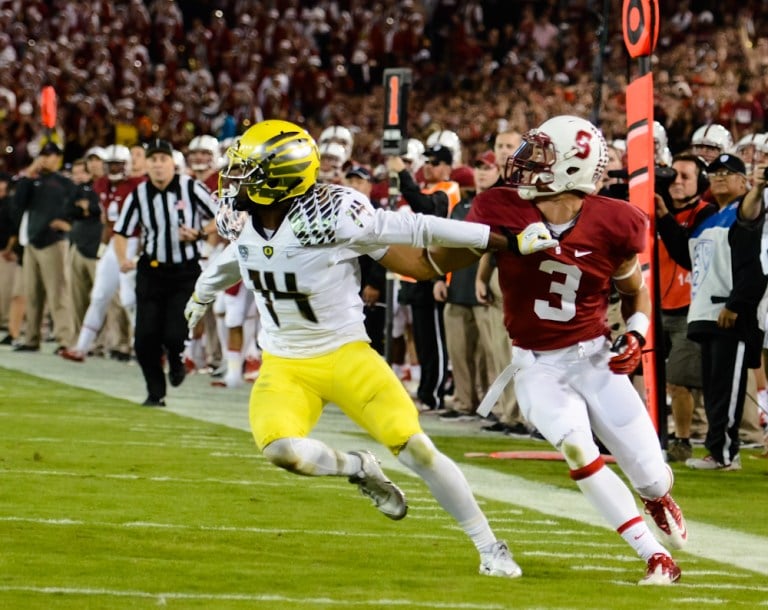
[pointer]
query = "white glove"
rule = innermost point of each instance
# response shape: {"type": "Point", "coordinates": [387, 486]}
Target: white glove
{"type": "Point", "coordinates": [535, 238]}
{"type": "Point", "coordinates": [194, 311]}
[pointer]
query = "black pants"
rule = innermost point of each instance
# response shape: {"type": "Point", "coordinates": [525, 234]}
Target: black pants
{"type": "Point", "coordinates": [724, 377]}
{"type": "Point", "coordinates": [429, 340]}
{"type": "Point", "coordinates": [161, 294]}
{"type": "Point", "coordinates": [375, 320]}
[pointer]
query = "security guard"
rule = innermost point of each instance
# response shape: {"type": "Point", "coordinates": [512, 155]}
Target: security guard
{"type": "Point", "coordinates": [170, 210]}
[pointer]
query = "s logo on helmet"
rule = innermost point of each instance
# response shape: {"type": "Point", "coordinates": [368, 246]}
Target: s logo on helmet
{"type": "Point", "coordinates": [583, 139]}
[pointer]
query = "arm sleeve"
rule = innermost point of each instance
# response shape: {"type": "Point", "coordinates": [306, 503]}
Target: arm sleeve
{"type": "Point", "coordinates": [220, 273]}
{"type": "Point", "coordinates": [435, 204]}
{"type": "Point", "coordinates": [385, 227]}
{"type": "Point", "coordinates": [675, 240]}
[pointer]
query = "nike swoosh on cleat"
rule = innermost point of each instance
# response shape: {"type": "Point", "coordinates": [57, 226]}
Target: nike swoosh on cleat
{"type": "Point", "coordinates": [580, 253]}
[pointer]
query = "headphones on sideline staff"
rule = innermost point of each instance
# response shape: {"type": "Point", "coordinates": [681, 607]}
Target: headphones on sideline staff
{"type": "Point", "coordinates": [702, 181]}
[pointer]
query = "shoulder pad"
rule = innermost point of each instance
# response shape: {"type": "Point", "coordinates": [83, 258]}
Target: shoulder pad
{"type": "Point", "coordinates": [314, 216]}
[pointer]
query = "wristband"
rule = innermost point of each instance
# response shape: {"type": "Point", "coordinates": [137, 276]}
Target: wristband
{"type": "Point", "coordinates": [638, 323]}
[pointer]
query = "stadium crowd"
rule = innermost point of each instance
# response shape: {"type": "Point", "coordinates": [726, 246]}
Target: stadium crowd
{"type": "Point", "coordinates": [131, 71]}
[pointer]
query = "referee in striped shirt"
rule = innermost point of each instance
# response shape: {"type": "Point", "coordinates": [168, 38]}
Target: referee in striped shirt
{"type": "Point", "coordinates": [171, 211]}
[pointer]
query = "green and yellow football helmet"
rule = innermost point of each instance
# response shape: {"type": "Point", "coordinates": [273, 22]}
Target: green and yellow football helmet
{"type": "Point", "coordinates": [274, 160]}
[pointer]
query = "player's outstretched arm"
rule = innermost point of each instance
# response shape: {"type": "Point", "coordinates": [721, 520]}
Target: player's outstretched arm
{"type": "Point", "coordinates": [432, 262]}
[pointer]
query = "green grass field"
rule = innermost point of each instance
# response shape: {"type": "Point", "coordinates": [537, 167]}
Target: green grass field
{"type": "Point", "coordinates": [107, 505]}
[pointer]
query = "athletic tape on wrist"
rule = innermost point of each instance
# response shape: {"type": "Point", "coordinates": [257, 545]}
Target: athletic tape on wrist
{"type": "Point", "coordinates": [638, 322]}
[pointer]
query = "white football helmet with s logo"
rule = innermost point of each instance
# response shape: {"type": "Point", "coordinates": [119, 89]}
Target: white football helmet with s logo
{"type": "Point", "coordinates": [337, 134]}
{"type": "Point", "coordinates": [203, 153]}
{"type": "Point", "coordinates": [714, 136]}
{"type": "Point", "coordinates": [565, 153]}
{"type": "Point", "coordinates": [117, 161]}
{"type": "Point", "coordinates": [414, 154]}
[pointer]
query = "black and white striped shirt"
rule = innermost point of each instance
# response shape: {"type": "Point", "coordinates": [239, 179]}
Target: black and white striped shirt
{"type": "Point", "coordinates": [159, 214]}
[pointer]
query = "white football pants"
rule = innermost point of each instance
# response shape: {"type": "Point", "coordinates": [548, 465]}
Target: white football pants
{"type": "Point", "coordinates": [107, 281]}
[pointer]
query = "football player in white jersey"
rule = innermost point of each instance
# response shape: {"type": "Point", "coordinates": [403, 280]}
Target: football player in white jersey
{"type": "Point", "coordinates": [296, 243]}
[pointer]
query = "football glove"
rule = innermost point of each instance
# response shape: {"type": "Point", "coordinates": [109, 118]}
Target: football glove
{"type": "Point", "coordinates": [194, 311]}
{"type": "Point", "coordinates": [534, 238]}
{"type": "Point", "coordinates": [629, 351]}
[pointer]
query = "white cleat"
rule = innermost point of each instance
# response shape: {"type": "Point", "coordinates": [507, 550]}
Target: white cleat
{"type": "Point", "coordinates": [498, 562]}
{"type": "Point", "coordinates": [374, 484]}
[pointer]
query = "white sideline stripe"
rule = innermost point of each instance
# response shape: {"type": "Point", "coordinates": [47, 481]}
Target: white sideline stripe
{"type": "Point", "coordinates": [301, 601]}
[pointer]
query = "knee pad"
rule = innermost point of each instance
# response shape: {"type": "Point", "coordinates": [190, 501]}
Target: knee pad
{"type": "Point", "coordinates": [579, 449]}
{"type": "Point", "coordinates": [282, 453]}
{"type": "Point", "coordinates": [419, 452]}
{"type": "Point", "coordinates": [661, 486]}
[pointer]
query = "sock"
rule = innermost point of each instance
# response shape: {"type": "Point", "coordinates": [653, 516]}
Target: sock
{"type": "Point", "coordinates": [762, 407]}
{"type": "Point", "coordinates": [310, 457]}
{"type": "Point", "coordinates": [85, 339]}
{"type": "Point", "coordinates": [612, 499]}
{"type": "Point", "coordinates": [449, 487]}
{"type": "Point", "coordinates": [639, 536]}
{"type": "Point", "coordinates": [234, 372]}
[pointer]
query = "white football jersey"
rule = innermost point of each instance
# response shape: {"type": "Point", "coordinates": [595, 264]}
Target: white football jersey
{"type": "Point", "coordinates": [306, 276]}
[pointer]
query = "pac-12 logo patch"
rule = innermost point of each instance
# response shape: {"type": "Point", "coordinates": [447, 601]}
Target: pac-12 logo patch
{"type": "Point", "coordinates": [268, 251]}
{"type": "Point", "coordinates": [243, 252]}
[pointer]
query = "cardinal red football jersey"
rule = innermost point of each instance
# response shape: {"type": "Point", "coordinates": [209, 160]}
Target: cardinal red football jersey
{"type": "Point", "coordinates": [558, 297]}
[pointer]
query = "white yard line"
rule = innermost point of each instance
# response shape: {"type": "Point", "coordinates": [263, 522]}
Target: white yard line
{"type": "Point", "coordinates": [195, 397]}
{"type": "Point", "coordinates": [300, 602]}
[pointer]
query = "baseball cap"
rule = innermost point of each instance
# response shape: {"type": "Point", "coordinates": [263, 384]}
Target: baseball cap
{"type": "Point", "coordinates": [358, 171]}
{"type": "Point", "coordinates": [464, 176]}
{"type": "Point", "coordinates": [161, 146]}
{"type": "Point", "coordinates": [730, 162]}
{"type": "Point", "coordinates": [95, 151]}
{"type": "Point", "coordinates": [438, 152]}
{"type": "Point", "coordinates": [486, 158]}
{"type": "Point", "coordinates": [51, 148]}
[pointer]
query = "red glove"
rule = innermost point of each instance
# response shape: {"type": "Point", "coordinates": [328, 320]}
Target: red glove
{"type": "Point", "coordinates": [629, 351]}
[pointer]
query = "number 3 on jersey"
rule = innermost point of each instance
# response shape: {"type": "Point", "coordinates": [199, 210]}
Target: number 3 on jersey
{"type": "Point", "coordinates": [566, 289]}
{"type": "Point", "coordinates": [265, 284]}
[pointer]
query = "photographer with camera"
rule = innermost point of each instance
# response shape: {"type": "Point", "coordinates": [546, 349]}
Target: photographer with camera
{"type": "Point", "coordinates": [681, 210]}
{"type": "Point", "coordinates": [727, 285]}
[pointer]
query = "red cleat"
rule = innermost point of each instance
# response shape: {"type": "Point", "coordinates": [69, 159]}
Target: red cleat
{"type": "Point", "coordinates": [662, 570]}
{"type": "Point", "coordinates": [669, 519]}
{"type": "Point", "coordinates": [73, 355]}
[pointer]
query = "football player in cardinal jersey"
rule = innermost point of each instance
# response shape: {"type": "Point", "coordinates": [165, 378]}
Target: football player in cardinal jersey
{"type": "Point", "coordinates": [296, 243]}
{"type": "Point", "coordinates": [567, 246]}
{"type": "Point", "coordinates": [203, 160]}
{"type": "Point", "coordinates": [112, 189]}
